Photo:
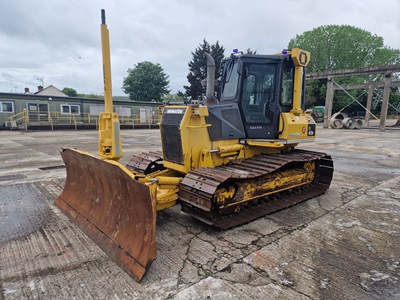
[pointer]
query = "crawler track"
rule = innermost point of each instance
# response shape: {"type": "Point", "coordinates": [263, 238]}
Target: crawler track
{"type": "Point", "coordinates": [198, 188]}
{"type": "Point", "coordinates": [146, 162]}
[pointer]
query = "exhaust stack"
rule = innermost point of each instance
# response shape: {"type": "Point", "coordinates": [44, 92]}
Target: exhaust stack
{"type": "Point", "coordinates": [210, 82]}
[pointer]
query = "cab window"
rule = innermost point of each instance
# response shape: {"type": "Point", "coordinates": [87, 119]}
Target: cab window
{"type": "Point", "coordinates": [287, 86]}
{"type": "Point", "coordinates": [231, 77]}
{"type": "Point", "coordinates": [258, 93]}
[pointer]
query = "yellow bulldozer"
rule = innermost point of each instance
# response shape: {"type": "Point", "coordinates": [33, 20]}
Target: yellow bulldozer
{"type": "Point", "coordinates": [226, 162]}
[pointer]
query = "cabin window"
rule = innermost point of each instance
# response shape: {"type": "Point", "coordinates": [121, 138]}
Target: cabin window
{"type": "Point", "coordinates": [230, 78]}
{"type": "Point", "coordinates": [258, 93]}
{"type": "Point", "coordinates": [287, 87]}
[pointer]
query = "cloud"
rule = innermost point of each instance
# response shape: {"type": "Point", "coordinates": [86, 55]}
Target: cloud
{"type": "Point", "coordinates": [60, 40]}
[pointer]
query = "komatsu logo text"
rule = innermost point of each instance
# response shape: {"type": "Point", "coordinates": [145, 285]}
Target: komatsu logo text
{"type": "Point", "coordinates": [175, 111]}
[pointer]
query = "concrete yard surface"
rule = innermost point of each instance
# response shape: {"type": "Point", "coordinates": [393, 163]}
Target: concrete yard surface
{"type": "Point", "coordinates": [343, 244]}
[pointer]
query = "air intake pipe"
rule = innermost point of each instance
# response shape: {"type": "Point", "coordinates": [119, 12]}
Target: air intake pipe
{"type": "Point", "coordinates": [210, 81]}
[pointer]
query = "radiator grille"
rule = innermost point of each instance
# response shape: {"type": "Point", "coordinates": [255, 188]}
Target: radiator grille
{"type": "Point", "coordinates": [171, 137]}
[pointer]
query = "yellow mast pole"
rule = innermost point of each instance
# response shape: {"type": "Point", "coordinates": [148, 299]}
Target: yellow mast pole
{"type": "Point", "coordinates": [301, 59]}
{"type": "Point", "coordinates": [109, 131]}
{"type": "Point", "coordinates": [105, 45]}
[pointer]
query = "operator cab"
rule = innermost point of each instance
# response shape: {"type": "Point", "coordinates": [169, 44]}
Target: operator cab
{"type": "Point", "coordinates": [256, 89]}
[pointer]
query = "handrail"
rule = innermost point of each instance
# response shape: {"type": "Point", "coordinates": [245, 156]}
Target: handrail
{"type": "Point", "coordinates": [17, 117]}
{"type": "Point", "coordinates": [54, 118]}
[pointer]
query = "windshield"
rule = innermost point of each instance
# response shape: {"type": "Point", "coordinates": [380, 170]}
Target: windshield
{"type": "Point", "coordinates": [231, 76]}
{"type": "Point", "coordinates": [258, 93]}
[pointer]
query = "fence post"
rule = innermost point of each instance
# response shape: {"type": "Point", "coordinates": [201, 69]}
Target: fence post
{"type": "Point", "coordinates": [369, 102]}
{"type": "Point", "coordinates": [328, 102]}
{"type": "Point", "coordinates": [26, 120]}
{"type": "Point", "coordinates": [385, 101]}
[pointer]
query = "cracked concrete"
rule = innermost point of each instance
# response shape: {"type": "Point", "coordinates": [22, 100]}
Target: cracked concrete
{"type": "Point", "coordinates": [340, 245]}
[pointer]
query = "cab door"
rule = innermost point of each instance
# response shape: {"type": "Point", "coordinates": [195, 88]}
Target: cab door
{"type": "Point", "coordinates": [259, 100]}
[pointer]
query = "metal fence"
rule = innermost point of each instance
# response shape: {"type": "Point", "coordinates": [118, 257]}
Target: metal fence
{"type": "Point", "coordinates": [54, 119]}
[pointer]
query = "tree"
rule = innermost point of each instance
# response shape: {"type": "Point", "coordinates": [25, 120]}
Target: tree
{"type": "Point", "coordinates": [198, 68]}
{"type": "Point", "coordinates": [69, 92]}
{"type": "Point", "coordinates": [146, 82]}
{"type": "Point", "coordinates": [335, 47]}
{"type": "Point", "coordinates": [252, 52]}
{"type": "Point", "coordinates": [91, 96]}
{"type": "Point", "coordinates": [180, 94]}
{"type": "Point", "coordinates": [170, 98]}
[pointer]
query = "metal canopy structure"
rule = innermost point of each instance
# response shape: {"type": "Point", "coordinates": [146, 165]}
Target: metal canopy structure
{"type": "Point", "coordinates": [359, 86]}
{"type": "Point", "coordinates": [354, 72]}
{"type": "Point", "coordinates": [386, 84]}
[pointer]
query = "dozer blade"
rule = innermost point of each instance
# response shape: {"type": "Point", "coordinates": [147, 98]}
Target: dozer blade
{"type": "Point", "coordinates": [117, 212]}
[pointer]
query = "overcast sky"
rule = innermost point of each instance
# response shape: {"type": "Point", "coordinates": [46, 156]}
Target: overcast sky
{"type": "Point", "coordinates": [59, 41]}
